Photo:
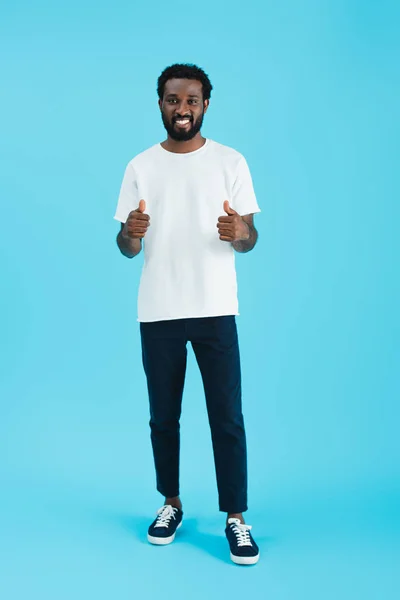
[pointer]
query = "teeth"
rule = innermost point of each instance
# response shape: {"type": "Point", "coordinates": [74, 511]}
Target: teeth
{"type": "Point", "coordinates": [183, 121]}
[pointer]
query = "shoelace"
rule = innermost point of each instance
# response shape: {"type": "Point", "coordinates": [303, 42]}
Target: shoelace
{"type": "Point", "coordinates": [242, 533]}
{"type": "Point", "coordinates": [165, 514]}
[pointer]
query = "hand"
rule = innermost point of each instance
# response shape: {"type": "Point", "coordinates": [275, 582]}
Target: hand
{"type": "Point", "coordinates": [137, 223]}
{"type": "Point", "coordinates": [232, 228]}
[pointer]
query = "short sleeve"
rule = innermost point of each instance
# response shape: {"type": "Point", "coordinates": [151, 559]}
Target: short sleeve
{"type": "Point", "coordinates": [128, 199]}
{"type": "Point", "coordinates": [243, 196]}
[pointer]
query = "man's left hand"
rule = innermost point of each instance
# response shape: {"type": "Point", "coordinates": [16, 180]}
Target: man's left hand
{"type": "Point", "coordinates": [232, 228]}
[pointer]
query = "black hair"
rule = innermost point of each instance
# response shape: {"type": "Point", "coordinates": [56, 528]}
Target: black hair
{"type": "Point", "coordinates": [184, 71]}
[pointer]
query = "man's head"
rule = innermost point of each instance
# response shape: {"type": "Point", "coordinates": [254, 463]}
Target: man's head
{"type": "Point", "coordinates": [184, 95]}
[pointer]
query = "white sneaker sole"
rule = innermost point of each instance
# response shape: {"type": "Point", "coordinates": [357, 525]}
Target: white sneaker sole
{"type": "Point", "coordinates": [245, 560]}
{"type": "Point", "coordinates": [159, 541]}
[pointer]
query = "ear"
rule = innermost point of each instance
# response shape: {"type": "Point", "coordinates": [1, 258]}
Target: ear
{"type": "Point", "coordinates": [160, 104]}
{"type": "Point", "coordinates": [206, 105]}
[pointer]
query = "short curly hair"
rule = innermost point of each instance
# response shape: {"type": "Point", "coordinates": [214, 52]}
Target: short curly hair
{"type": "Point", "coordinates": [184, 71]}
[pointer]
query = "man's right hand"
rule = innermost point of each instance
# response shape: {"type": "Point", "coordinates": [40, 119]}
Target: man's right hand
{"type": "Point", "coordinates": [137, 223]}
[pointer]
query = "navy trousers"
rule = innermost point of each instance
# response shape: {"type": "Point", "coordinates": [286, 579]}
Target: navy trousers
{"type": "Point", "coordinates": [215, 344]}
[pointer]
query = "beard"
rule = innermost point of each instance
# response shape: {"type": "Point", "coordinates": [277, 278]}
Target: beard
{"type": "Point", "coordinates": [180, 135]}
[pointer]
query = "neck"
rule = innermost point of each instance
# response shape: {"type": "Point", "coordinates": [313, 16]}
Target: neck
{"type": "Point", "coordinates": [183, 147]}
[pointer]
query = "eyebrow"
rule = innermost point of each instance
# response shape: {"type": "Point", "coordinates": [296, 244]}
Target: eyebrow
{"type": "Point", "coordinates": [176, 95]}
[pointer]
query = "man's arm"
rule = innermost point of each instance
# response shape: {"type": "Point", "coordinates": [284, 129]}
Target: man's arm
{"type": "Point", "coordinates": [247, 245]}
{"type": "Point", "coordinates": [129, 247]}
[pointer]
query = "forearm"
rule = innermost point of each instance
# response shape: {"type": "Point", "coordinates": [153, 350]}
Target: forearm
{"type": "Point", "coordinates": [129, 247]}
{"type": "Point", "coordinates": [247, 245]}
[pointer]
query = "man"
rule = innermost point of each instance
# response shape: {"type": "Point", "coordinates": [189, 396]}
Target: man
{"type": "Point", "coordinates": [192, 202]}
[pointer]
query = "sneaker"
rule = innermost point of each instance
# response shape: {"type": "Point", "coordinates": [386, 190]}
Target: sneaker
{"type": "Point", "coordinates": [162, 530]}
{"type": "Point", "coordinates": [244, 550]}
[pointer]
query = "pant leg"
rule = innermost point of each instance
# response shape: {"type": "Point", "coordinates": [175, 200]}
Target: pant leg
{"type": "Point", "coordinates": [216, 346]}
{"type": "Point", "coordinates": [164, 354]}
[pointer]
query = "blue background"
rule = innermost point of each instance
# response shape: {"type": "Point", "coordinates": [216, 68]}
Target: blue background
{"type": "Point", "coordinates": [309, 93]}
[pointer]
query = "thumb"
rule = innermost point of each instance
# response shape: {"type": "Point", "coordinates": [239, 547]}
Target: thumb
{"type": "Point", "coordinates": [142, 206]}
{"type": "Point", "coordinates": [228, 209]}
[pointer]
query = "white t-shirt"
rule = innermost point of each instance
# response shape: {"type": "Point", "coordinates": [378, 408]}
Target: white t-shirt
{"type": "Point", "coordinates": [188, 271]}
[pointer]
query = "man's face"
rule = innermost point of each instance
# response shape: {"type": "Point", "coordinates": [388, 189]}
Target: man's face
{"type": "Point", "coordinates": [183, 108]}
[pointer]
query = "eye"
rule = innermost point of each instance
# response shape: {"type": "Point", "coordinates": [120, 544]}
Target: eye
{"type": "Point", "coordinates": [192, 101]}
{"type": "Point", "coordinates": [171, 100]}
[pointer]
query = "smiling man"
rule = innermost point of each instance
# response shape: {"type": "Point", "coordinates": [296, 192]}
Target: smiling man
{"type": "Point", "coordinates": [190, 201]}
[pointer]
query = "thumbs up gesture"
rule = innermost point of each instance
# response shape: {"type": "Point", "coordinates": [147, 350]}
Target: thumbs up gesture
{"type": "Point", "coordinates": [232, 228]}
{"type": "Point", "coordinates": [137, 223]}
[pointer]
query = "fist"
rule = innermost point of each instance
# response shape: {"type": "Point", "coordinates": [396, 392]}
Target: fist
{"type": "Point", "coordinates": [232, 228]}
{"type": "Point", "coordinates": [137, 223]}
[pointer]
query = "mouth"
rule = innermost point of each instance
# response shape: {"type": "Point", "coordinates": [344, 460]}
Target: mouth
{"type": "Point", "coordinates": [182, 123]}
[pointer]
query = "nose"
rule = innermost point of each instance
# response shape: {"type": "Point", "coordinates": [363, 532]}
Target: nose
{"type": "Point", "coordinates": [183, 109]}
